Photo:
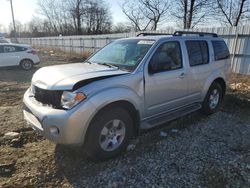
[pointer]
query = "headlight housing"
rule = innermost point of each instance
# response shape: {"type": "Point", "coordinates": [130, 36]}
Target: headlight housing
{"type": "Point", "coordinates": [70, 99]}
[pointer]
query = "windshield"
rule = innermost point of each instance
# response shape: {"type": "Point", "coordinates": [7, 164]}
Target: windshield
{"type": "Point", "coordinates": [124, 54]}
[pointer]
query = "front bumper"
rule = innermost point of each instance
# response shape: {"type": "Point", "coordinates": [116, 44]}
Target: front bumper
{"type": "Point", "coordinates": [60, 126]}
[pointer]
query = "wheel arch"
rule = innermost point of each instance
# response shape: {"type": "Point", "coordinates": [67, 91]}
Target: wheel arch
{"type": "Point", "coordinates": [126, 105]}
{"type": "Point", "coordinates": [222, 83]}
{"type": "Point", "coordinates": [219, 79]}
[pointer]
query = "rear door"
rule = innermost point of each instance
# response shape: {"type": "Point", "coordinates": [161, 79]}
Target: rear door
{"type": "Point", "coordinates": [165, 81]}
{"type": "Point", "coordinates": [199, 62]}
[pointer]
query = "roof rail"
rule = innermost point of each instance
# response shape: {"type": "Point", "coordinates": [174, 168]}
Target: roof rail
{"type": "Point", "coordinates": [201, 34]}
{"type": "Point", "coordinates": [152, 34]}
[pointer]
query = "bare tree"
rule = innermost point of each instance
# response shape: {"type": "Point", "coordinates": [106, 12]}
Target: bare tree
{"type": "Point", "coordinates": [145, 14]}
{"type": "Point", "coordinates": [121, 28]}
{"type": "Point", "coordinates": [191, 12]}
{"type": "Point", "coordinates": [232, 12]}
{"type": "Point", "coordinates": [84, 16]}
{"type": "Point", "coordinates": [75, 8]}
{"type": "Point", "coordinates": [97, 17]}
{"type": "Point", "coordinates": [55, 14]}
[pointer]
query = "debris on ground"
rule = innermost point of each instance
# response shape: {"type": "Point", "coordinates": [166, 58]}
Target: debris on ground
{"type": "Point", "coordinates": [7, 169]}
{"type": "Point", "coordinates": [163, 134]}
{"type": "Point", "coordinates": [11, 135]}
{"type": "Point", "coordinates": [131, 147]}
{"type": "Point", "coordinates": [174, 130]}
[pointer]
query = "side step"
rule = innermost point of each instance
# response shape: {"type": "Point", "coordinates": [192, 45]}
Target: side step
{"type": "Point", "coordinates": [163, 118]}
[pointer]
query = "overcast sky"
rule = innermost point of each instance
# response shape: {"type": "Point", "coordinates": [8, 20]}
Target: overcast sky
{"type": "Point", "coordinates": [24, 10]}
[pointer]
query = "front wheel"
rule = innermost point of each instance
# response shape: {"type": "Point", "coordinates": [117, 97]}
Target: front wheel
{"type": "Point", "coordinates": [26, 64]}
{"type": "Point", "coordinates": [108, 134]}
{"type": "Point", "coordinates": [213, 99]}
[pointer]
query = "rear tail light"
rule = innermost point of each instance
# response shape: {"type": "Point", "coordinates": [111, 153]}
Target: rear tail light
{"type": "Point", "coordinates": [32, 52]}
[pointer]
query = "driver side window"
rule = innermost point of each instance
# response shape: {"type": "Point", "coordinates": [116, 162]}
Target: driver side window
{"type": "Point", "coordinates": [167, 57]}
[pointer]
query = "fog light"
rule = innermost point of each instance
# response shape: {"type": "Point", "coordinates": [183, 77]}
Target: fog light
{"type": "Point", "coordinates": [54, 131]}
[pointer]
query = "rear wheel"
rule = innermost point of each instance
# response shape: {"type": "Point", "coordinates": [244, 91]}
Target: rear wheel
{"type": "Point", "coordinates": [26, 64]}
{"type": "Point", "coordinates": [108, 134]}
{"type": "Point", "coordinates": [213, 99]}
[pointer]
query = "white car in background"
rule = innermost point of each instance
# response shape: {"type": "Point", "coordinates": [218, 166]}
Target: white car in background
{"type": "Point", "coordinates": [3, 40]}
{"type": "Point", "coordinates": [18, 55]}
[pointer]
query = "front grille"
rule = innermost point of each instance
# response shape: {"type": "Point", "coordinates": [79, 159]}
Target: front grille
{"type": "Point", "coordinates": [49, 97]}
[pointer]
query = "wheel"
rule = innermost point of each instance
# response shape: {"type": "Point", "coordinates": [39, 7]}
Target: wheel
{"type": "Point", "coordinates": [26, 64]}
{"type": "Point", "coordinates": [213, 99]}
{"type": "Point", "coordinates": [108, 134]}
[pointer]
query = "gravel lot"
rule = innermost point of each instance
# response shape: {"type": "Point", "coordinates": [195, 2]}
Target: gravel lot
{"type": "Point", "coordinates": [193, 151]}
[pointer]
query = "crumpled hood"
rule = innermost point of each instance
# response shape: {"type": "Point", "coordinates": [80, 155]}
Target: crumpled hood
{"type": "Point", "coordinates": [64, 77]}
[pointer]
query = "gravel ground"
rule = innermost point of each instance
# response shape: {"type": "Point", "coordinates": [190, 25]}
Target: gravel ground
{"type": "Point", "coordinates": [192, 151]}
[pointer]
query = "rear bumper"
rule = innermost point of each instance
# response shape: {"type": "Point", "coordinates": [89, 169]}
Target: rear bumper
{"type": "Point", "coordinates": [36, 60]}
{"type": "Point", "coordinates": [60, 126]}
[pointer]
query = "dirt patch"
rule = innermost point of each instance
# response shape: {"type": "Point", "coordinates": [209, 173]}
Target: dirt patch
{"type": "Point", "coordinates": [195, 151]}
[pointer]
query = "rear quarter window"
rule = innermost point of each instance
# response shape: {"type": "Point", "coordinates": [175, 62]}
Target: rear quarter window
{"type": "Point", "coordinates": [20, 49]}
{"type": "Point", "coordinates": [220, 50]}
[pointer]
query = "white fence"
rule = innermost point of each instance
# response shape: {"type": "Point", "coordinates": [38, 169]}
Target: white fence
{"type": "Point", "coordinates": [237, 39]}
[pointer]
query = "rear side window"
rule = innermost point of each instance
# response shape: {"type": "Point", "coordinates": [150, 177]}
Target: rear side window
{"type": "Point", "coordinates": [20, 49]}
{"type": "Point", "coordinates": [9, 48]}
{"type": "Point", "coordinates": [197, 52]}
{"type": "Point", "coordinates": [220, 50]}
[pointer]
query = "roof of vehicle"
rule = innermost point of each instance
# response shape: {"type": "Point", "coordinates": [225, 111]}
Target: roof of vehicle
{"type": "Point", "coordinates": [178, 35]}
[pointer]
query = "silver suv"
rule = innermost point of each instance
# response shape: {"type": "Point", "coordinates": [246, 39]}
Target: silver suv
{"type": "Point", "coordinates": [128, 86]}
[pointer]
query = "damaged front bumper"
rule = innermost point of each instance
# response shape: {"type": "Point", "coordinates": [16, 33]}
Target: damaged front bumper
{"type": "Point", "coordinates": [60, 126]}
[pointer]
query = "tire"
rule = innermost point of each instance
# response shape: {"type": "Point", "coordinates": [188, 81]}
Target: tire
{"type": "Point", "coordinates": [103, 141]}
{"type": "Point", "coordinates": [213, 99]}
{"type": "Point", "coordinates": [26, 64]}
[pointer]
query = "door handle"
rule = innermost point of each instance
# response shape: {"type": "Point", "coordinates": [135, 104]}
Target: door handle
{"type": "Point", "coordinates": [181, 75]}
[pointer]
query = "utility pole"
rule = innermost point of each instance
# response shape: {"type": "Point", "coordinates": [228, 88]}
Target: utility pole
{"type": "Point", "coordinates": [13, 20]}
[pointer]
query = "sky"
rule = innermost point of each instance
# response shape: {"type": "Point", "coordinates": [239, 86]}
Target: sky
{"type": "Point", "coordinates": [24, 10]}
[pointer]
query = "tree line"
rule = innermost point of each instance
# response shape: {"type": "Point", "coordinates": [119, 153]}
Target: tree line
{"type": "Point", "coordinates": [78, 17]}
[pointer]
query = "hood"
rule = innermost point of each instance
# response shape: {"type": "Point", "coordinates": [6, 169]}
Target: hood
{"type": "Point", "coordinates": [64, 77]}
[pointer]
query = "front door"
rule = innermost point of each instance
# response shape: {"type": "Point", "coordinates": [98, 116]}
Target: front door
{"type": "Point", "coordinates": [165, 81]}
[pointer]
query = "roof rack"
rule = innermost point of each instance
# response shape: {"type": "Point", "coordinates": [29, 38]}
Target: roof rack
{"type": "Point", "coordinates": [152, 34]}
{"type": "Point", "coordinates": [201, 34]}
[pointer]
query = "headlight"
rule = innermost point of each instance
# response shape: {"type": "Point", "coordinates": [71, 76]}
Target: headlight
{"type": "Point", "coordinates": [70, 99]}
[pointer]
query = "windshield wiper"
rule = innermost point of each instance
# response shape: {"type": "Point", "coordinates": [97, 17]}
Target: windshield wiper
{"type": "Point", "coordinates": [88, 62]}
{"type": "Point", "coordinates": [109, 65]}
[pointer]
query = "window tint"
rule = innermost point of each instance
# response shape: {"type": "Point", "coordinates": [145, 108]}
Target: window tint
{"type": "Point", "coordinates": [197, 52]}
{"type": "Point", "coordinates": [167, 57]}
{"type": "Point", "coordinates": [20, 49]}
{"type": "Point", "coordinates": [220, 50]}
